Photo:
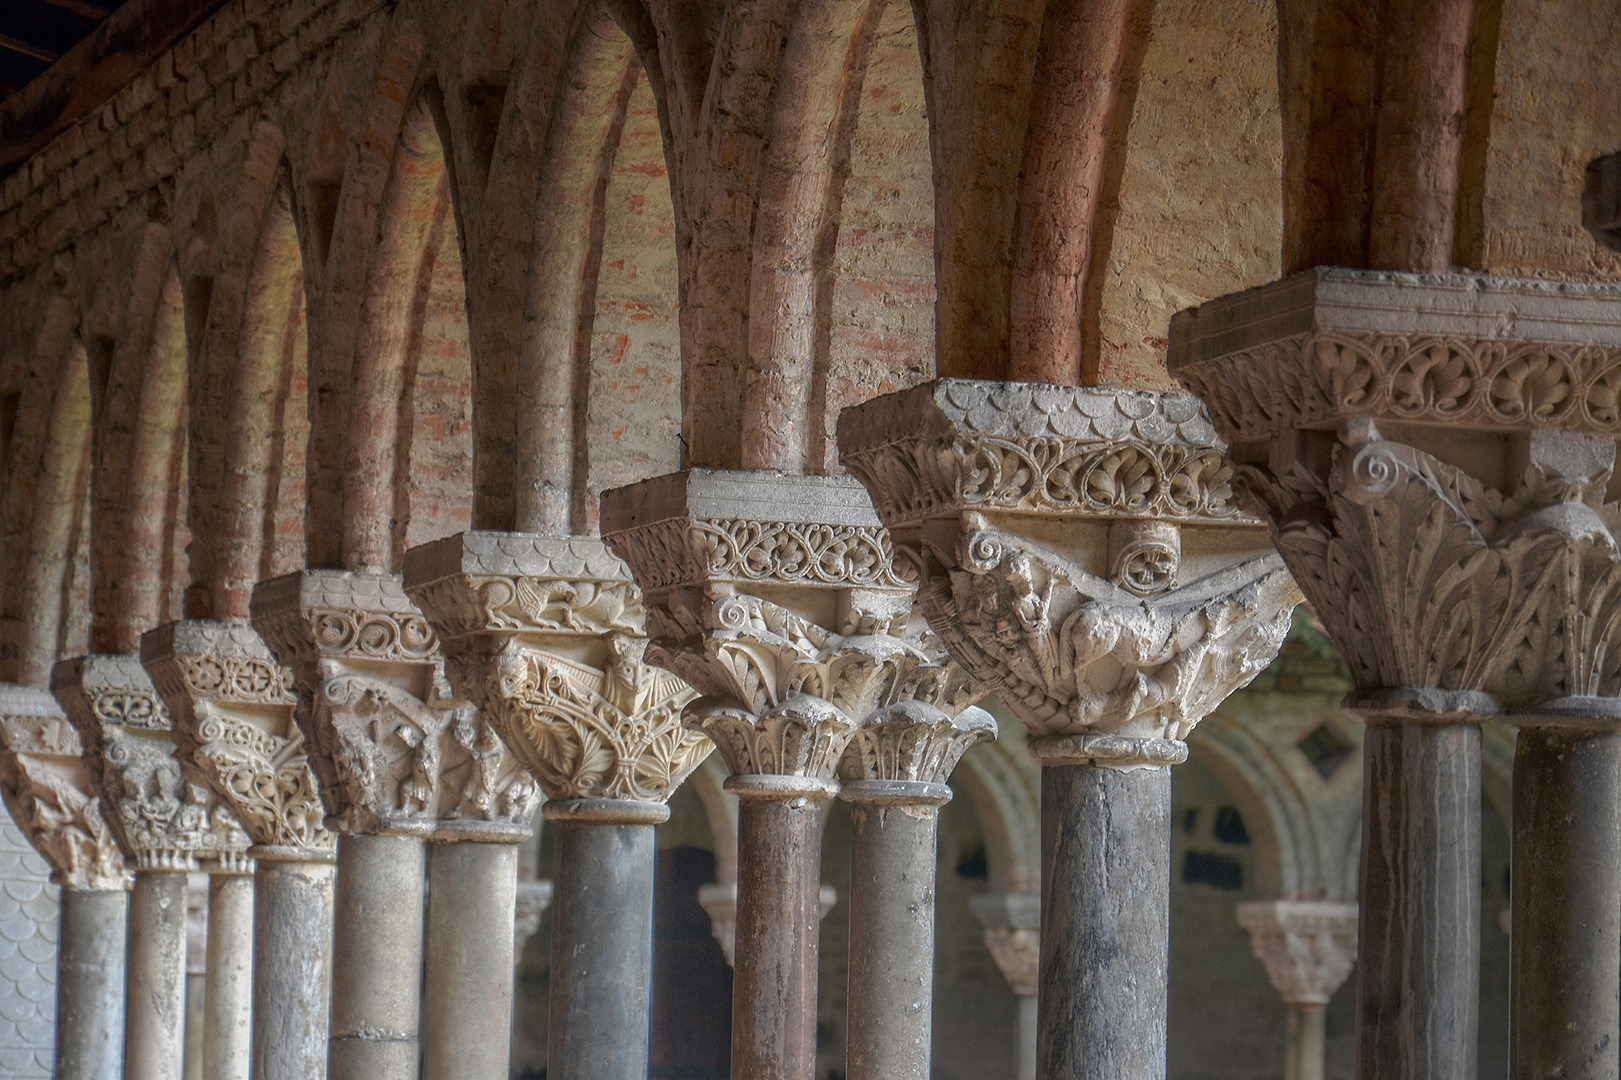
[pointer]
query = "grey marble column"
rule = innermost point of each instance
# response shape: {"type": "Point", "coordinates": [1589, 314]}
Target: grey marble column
{"type": "Point", "coordinates": [228, 998]}
{"type": "Point", "coordinates": [467, 992]}
{"type": "Point", "coordinates": [602, 937]}
{"type": "Point", "coordinates": [376, 957]}
{"type": "Point", "coordinates": [154, 1034]}
{"type": "Point", "coordinates": [292, 986]}
{"type": "Point", "coordinates": [90, 960]}
{"type": "Point", "coordinates": [1566, 937]}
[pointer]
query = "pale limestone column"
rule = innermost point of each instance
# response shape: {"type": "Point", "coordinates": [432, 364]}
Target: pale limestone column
{"type": "Point", "coordinates": [228, 968]}
{"type": "Point", "coordinates": [167, 821]}
{"type": "Point", "coordinates": [776, 599]}
{"type": "Point", "coordinates": [1078, 551]}
{"type": "Point", "coordinates": [48, 790]}
{"type": "Point", "coordinates": [1435, 453]}
{"type": "Point", "coordinates": [1012, 923]}
{"type": "Point", "coordinates": [197, 972]}
{"type": "Point", "coordinates": [232, 705]}
{"type": "Point", "coordinates": [399, 758]}
{"type": "Point", "coordinates": [547, 635]}
{"type": "Point", "coordinates": [1308, 948]}
{"type": "Point", "coordinates": [894, 775]}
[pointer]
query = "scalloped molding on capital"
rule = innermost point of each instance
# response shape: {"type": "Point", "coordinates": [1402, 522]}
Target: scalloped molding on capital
{"type": "Point", "coordinates": [546, 635]}
{"type": "Point", "coordinates": [161, 809]}
{"type": "Point", "coordinates": [232, 705]}
{"type": "Point", "coordinates": [914, 741]}
{"type": "Point", "coordinates": [50, 795]}
{"type": "Point", "coordinates": [393, 750]}
{"type": "Point", "coordinates": [1308, 947]}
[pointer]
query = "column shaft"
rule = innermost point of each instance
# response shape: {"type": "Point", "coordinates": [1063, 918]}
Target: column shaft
{"type": "Point", "coordinates": [892, 894]}
{"type": "Point", "coordinates": [1418, 984]}
{"type": "Point", "coordinates": [467, 1000]}
{"type": "Point", "coordinates": [779, 863]}
{"type": "Point", "coordinates": [376, 958]}
{"type": "Point", "coordinates": [90, 984]}
{"type": "Point", "coordinates": [292, 917]}
{"type": "Point", "coordinates": [602, 951]}
{"type": "Point", "coordinates": [1566, 940]}
{"type": "Point", "coordinates": [1105, 922]}
{"type": "Point", "coordinates": [228, 999]}
{"type": "Point", "coordinates": [1306, 1051]}
{"type": "Point", "coordinates": [155, 1029]}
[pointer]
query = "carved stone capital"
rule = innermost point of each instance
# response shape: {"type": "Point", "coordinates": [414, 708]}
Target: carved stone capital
{"type": "Point", "coordinates": [1433, 454]}
{"type": "Point", "coordinates": [1075, 549]}
{"type": "Point", "coordinates": [546, 635]}
{"type": "Point", "coordinates": [50, 795]}
{"type": "Point", "coordinates": [161, 809]}
{"type": "Point", "coordinates": [232, 706]}
{"type": "Point", "coordinates": [393, 749]}
{"type": "Point", "coordinates": [777, 599]}
{"type": "Point", "coordinates": [534, 897]}
{"type": "Point", "coordinates": [1308, 947]}
{"type": "Point", "coordinates": [1012, 923]}
{"type": "Point", "coordinates": [914, 743]}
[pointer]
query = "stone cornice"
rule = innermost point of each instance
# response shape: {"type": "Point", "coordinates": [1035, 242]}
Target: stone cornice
{"type": "Point", "coordinates": [50, 795]}
{"type": "Point", "coordinates": [1308, 947]}
{"type": "Point", "coordinates": [160, 808]}
{"type": "Point", "coordinates": [233, 706]}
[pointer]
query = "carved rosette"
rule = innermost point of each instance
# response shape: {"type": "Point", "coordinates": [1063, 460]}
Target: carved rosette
{"type": "Point", "coordinates": [776, 598]}
{"type": "Point", "coordinates": [1079, 551]}
{"type": "Point", "coordinates": [161, 810]}
{"type": "Point", "coordinates": [1308, 947]}
{"type": "Point", "coordinates": [1433, 455]}
{"type": "Point", "coordinates": [48, 790]}
{"type": "Point", "coordinates": [233, 705]}
{"type": "Point", "coordinates": [394, 750]}
{"type": "Point", "coordinates": [546, 635]}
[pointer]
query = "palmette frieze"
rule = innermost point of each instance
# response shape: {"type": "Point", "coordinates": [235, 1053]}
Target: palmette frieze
{"type": "Point", "coordinates": [50, 795]}
{"type": "Point", "coordinates": [674, 553]}
{"type": "Point", "coordinates": [329, 613]}
{"type": "Point", "coordinates": [1308, 947]}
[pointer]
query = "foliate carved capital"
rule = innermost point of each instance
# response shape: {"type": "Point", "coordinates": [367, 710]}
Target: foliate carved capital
{"type": "Point", "coordinates": [161, 809]}
{"type": "Point", "coordinates": [1012, 923]}
{"type": "Point", "coordinates": [50, 795]}
{"type": "Point", "coordinates": [914, 742]}
{"type": "Point", "coordinates": [233, 706]}
{"type": "Point", "coordinates": [1308, 947]}
{"type": "Point", "coordinates": [546, 635]}
{"type": "Point", "coordinates": [393, 750]}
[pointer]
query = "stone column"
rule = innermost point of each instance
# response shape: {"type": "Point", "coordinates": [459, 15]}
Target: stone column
{"type": "Point", "coordinates": [894, 775]}
{"type": "Point", "coordinates": [1012, 923]}
{"type": "Point", "coordinates": [232, 705]}
{"type": "Point", "coordinates": [719, 901]}
{"type": "Point", "coordinates": [228, 997]}
{"type": "Point", "coordinates": [1434, 454]}
{"type": "Point", "coordinates": [398, 758]}
{"type": "Point", "coordinates": [775, 597]}
{"type": "Point", "coordinates": [197, 972]}
{"type": "Point", "coordinates": [48, 790]}
{"type": "Point", "coordinates": [1308, 948]}
{"type": "Point", "coordinates": [167, 821]}
{"type": "Point", "coordinates": [546, 634]}
{"type": "Point", "coordinates": [1078, 551]}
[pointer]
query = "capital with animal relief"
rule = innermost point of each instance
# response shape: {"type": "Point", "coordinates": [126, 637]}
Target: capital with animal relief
{"type": "Point", "coordinates": [1078, 551]}
{"type": "Point", "coordinates": [161, 809]}
{"type": "Point", "coordinates": [546, 635]}
{"type": "Point", "coordinates": [394, 750]}
{"type": "Point", "coordinates": [48, 791]}
{"type": "Point", "coordinates": [232, 705]}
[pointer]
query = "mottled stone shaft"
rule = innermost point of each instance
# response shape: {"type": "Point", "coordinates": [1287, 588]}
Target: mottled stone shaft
{"type": "Point", "coordinates": [1105, 922]}
{"type": "Point", "coordinates": [376, 958]}
{"type": "Point", "coordinates": [1306, 1049]}
{"type": "Point", "coordinates": [228, 999]}
{"type": "Point", "coordinates": [779, 863]}
{"type": "Point", "coordinates": [892, 891]}
{"type": "Point", "coordinates": [1566, 940]}
{"type": "Point", "coordinates": [1418, 951]}
{"type": "Point", "coordinates": [467, 996]}
{"type": "Point", "coordinates": [602, 951]}
{"type": "Point", "coordinates": [155, 1026]}
{"type": "Point", "coordinates": [292, 916]}
{"type": "Point", "coordinates": [90, 984]}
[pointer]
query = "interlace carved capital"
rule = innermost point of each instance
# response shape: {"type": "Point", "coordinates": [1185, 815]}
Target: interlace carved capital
{"type": "Point", "coordinates": [50, 795]}
{"type": "Point", "coordinates": [161, 809]}
{"type": "Point", "coordinates": [1433, 455]}
{"type": "Point", "coordinates": [546, 635]}
{"type": "Point", "coordinates": [232, 705]}
{"type": "Point", "coordinates": [393, 749]}
{"type": "Point", "coordinates": [1308, 947]}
